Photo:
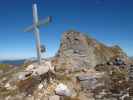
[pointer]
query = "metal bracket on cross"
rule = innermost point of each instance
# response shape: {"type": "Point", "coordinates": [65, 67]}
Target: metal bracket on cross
{"type": "Point", "coordinates": [35, 28]}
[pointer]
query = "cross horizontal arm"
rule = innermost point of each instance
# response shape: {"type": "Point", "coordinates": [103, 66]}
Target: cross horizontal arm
{"type": "Point", "coordinates": [40, 23]}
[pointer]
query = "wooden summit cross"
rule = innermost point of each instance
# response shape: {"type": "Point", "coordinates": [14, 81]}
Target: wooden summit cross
{"type": "Point", "coordinates": [35, 28]}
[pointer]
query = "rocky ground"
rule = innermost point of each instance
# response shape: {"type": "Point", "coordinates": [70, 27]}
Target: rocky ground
{"type": "Point", "coordinates": [83, 69]}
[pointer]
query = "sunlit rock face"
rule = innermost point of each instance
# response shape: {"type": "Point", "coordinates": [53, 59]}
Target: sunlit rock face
{"type": "Point", "coordinates": [78, 50]}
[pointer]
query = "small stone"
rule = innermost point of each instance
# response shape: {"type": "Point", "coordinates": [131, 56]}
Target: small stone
{"type": "Point", "coordinates": [84, 70]}
{"type": "Point", "coordinates": [85, 77]}
{"type": "Point", "coordinates": [62, 90]}
{"type": "Point", "coordinates": [87, 81]}
{"type": "Point", "coordinates": [8, 86]}
{"type": "Point", "coordinates": [40, 86]}
{"type": "Point", "coordinates": [21, 76]}
{"type": "Point", "coordinates": [30, 67]}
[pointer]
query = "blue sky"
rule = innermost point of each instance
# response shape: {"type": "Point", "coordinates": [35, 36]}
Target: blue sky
{"type": "Point", "coordinates": [109, 21]}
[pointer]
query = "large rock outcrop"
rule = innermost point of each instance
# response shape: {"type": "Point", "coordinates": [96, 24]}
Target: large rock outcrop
{"type": "Point", "coordinates": [78, 51]}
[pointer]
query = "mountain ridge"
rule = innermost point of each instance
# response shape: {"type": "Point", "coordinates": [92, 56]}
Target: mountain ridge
{"type": "Point", "coordinates": [14, 62]}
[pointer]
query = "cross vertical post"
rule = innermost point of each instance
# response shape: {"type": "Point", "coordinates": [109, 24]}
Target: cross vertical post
{"type": "Point", "coordinates": [36, 32]}
{"type": "Point", "coordinates": [35, 28]}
